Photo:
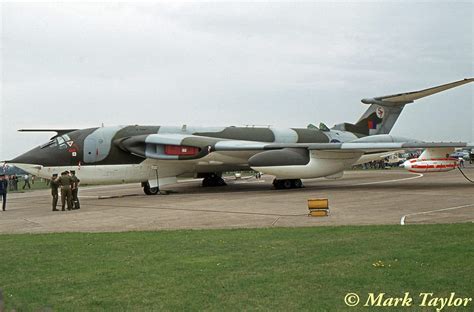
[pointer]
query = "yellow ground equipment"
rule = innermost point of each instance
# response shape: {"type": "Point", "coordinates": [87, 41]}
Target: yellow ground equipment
{"type": "Point", "coordinates": [318, 207]}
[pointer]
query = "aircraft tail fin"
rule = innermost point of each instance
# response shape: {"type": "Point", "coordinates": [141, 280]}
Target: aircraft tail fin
{"type": "Point", "coordinates": [384, 111]}
{"type": "Point", "coordinates": [379, 119]}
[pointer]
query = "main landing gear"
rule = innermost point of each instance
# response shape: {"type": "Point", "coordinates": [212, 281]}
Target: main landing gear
{"type": "Point", "coordinates": [150, 190]}
{"type": "Point", "coordinates": [213, 180]}
{"type": "Point", "coordinates": [287, 184]}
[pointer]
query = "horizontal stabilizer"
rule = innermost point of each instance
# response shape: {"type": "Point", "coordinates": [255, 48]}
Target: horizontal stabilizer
{"type": "Point", "coordinates": [409, 97]}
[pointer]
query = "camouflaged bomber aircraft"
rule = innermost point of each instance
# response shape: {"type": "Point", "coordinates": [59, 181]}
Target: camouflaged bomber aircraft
{"type": "Point", "coordinates": [157, 155]}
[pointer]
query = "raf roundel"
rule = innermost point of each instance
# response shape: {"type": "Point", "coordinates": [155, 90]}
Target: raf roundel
{"type": "Point", "coordinates": [380, 112]}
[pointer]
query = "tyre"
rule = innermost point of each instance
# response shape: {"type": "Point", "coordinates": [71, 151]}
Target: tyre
{"type": "Point", "coordinates": [150, 190]}
{"type": "Point", "coordinates": [206, 182]}
{"type": "Point", "coordinates": [297, 183]}
{"type": "Point", "coordinates": [287, 184]}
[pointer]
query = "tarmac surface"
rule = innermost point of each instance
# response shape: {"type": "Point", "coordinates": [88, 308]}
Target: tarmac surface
{"type": "Point", "coordinates": [359, 198]}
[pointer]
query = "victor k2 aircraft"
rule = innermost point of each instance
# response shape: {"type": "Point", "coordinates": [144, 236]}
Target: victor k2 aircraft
{"type": "Point", "coordinates": [157, 155]}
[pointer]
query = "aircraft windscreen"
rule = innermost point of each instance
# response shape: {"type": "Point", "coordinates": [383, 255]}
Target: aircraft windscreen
{"type": "Point", "coordinates": [49, 144]}
{"type": "Point", "coordinates": [58, 141]}
{"type": "Point", "coordinates": [62, 141]}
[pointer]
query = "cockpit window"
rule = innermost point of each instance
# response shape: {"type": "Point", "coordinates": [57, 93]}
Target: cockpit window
{"type": "Point", "coordinates": [50, 143]}
{"type": "Point", "coordinates": [62, 141]}
{"type": "Point", "coordinates": [58, 141]}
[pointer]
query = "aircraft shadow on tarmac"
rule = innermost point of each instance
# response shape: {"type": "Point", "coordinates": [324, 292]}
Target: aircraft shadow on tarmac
{"type": "Point", "coordinates": [319, 185]}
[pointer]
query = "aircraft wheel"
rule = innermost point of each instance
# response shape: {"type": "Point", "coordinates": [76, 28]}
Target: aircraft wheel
{"type": "Point", "coordinates": [281, 184]}
{"type": "Point", "coordinates": [297, 183]}
{"type": "Point", "coordinates": [206, 182]}
{"type": "Point", "coordinates": [213, 181]}
{"type": "Point", "coordinates": [287, 184]}
{"type": "Point", "coordinates": [150, 190]}
{"type": "Point", "coordinates": [276, 184]}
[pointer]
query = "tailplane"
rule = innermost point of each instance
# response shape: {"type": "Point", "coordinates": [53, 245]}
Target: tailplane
{"type": "Point", "coordinates": [384, 111]}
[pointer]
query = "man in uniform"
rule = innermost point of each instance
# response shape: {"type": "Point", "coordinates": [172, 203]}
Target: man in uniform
{"type": "Point", "coordinates": [3, 190]}
{"type": "Point", "coordinates": [65, 182]}
{"type": "Point", "coordinates": [54, 190]}
{"type": "Point", "coordinates": [75, 190]}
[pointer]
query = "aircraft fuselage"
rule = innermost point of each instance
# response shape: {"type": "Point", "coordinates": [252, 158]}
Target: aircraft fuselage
{"type": "Point", "coordinates": [97, 156]}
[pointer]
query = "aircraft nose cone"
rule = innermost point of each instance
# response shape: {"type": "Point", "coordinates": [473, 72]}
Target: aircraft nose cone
{"type": "Point", "coordinates": [25, 158]}
{"type": "Point", "coordinates": [35, 156]}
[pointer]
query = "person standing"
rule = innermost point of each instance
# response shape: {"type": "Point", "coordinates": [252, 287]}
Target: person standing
{"type": "Point", "coordinates": [15, 183]}
{"type": "Point", "coordinates": [27, 181]}
{"type": "Point", "coordinates": [75, 190]}
{"type": "Point", "coordinates": [65, 182]}
{"type": "Point", "coordinates": [54, 190]}
{"type": "Point", "coordinates": [10, 184]}
{"type": "Point", "coordinates": [3, 191]}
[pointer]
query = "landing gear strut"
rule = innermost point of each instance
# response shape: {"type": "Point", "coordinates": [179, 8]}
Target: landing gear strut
{"type": "Point", "coordinates": [287, 184]}
{"type": "Point", "coordinates": [213, 180]}
{"type": "Point", "coordinates": [150, 190]}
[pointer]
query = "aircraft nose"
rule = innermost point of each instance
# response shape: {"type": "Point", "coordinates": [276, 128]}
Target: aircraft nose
{"type": "Point", "coordinates": [35, 156]}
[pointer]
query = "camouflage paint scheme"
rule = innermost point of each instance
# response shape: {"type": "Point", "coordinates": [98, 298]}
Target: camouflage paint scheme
{"type": "Point", "coordinates": [139, 153]}
{"type": "Point", "coordinates": [134, 138]}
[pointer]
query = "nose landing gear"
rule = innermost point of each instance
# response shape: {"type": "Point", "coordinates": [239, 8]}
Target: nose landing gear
{"type": "Point", "coordinates": [150, 190]}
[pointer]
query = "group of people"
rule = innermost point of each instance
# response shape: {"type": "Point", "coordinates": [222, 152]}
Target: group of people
{"type": "Point", "coordinates": [68, 182]}
{"type": "Point", "coordinates": [13, 181]}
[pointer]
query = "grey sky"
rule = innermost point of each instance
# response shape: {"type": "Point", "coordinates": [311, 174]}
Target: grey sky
{"type": "Point", "coordinates": [282, 64]}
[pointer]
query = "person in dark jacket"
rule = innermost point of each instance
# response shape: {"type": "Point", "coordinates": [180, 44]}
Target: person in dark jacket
{"type": "Point", "coordinates": [3, 191]}
{"type": "Point", "coordinates": [54, 184]}
{"type": "Point", "coordinates": [75, 190]}
{"type": "Point", "coordinates": [10, 183]}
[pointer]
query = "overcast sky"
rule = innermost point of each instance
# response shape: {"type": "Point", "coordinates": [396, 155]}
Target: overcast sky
{"type": "Point", "coordinates": [281, 64]}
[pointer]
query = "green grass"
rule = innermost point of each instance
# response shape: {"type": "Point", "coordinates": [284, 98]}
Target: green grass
{"type": "Point", "coordinates": [246, 269]}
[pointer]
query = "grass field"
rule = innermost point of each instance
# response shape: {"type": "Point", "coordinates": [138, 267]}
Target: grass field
{"type": "Point", "coordinates": [247, 269]}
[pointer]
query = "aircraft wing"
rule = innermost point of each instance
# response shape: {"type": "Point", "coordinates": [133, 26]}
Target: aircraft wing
{"type": "Point", "coordinates": [341, 147]}
{"type": "Point", "coordinates": [185, 147]}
